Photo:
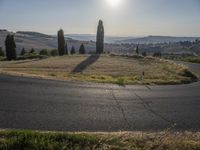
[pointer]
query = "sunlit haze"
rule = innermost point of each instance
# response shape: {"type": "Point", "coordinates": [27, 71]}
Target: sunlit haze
{"type": "Point", "coordinates": [121, 17]}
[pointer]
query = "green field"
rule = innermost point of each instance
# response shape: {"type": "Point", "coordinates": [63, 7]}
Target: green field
{"type": "Point", "coordinates": [102, 69]}
{"type": "Point", "coordinates": [34, 140]}
{"type": "Point", "coordinates": [192, 59]}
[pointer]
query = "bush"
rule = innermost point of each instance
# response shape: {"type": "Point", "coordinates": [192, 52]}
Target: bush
{"type": "Point", "coordinates": [44, 52]}
{"type": "Point", "coordinates": [32, 52]}
{"type": "Point", "coordinates": [54, 52]}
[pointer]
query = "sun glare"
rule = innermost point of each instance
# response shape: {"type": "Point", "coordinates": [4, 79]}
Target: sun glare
{"type": "Point", "coordinates": [114, 3]}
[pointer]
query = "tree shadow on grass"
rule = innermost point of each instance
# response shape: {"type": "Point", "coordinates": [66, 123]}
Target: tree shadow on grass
{"type": "Point", "coordinates": [85, 64]}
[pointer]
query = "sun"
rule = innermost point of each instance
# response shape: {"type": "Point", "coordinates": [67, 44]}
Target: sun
{"type": "Point", "coordinates": [114, 3]}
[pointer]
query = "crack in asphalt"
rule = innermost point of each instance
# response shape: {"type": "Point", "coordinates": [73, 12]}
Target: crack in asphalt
{"type": "Point", "coordinates": [148, 107]}
{"type": "Point", "coordinates": [120, 108]}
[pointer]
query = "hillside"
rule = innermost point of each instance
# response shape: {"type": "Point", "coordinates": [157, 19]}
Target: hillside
{"type": "Point", "coordinates": [30, 40]}
{"type": "Point", "coordinates": [157, 39]}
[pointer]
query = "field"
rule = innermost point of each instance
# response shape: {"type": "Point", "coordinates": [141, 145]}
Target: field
{"type": "Point", "coordinates": [191, 59]}
{"type": "Point", "coordinates": [102, 68]}
{"type": "Point", "coordinates": [31, 140]}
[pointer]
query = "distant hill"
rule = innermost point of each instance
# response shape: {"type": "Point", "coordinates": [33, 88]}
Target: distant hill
{"type": "Point", "coordinates": [92, 37]}
{"type": "Point", "coordinates": [30, 40]}
{"type": "Point", "coordinates": [34, 34]}
{"type": "Point", "coordinates": [157, 39]}
{"type": "Point", "coordinates": [39, 41]}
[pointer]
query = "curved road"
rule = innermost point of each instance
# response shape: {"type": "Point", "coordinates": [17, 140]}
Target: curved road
{"type": "Point", "coordinates": [66, 106]}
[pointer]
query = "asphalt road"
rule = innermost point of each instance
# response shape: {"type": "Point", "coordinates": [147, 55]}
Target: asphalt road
{"type": "Point", "coordinates": [66, 106]}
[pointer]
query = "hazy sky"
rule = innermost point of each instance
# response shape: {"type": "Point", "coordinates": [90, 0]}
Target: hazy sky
{"type": "Point", "coordinates": [121, 17]}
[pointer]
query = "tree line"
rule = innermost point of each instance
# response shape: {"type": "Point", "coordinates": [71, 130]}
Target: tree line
{"type": "Point", "coordinates": [11, 53]}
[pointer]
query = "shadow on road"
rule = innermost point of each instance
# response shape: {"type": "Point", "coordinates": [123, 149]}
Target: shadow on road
{"type": "Point", "coordinates": [85, 64]}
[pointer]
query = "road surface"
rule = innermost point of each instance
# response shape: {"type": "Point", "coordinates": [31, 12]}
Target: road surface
{"type": "Point", "coordinates": [27, 103]}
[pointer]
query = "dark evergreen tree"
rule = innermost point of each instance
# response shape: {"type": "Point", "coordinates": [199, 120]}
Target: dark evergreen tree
{"type": "Point", "coordinates": [23, 52]}
{"type": "Point", "coordinates": [2, 54]}
{"type": "Point", "coordinates": [10, 47]}
{"type": "Point", "coordinates": [82, 49]}
{"type": "Point", "coordinates": [73, 51]}
{"type": "Point", "coordinates": [137, 50]}
{"type": "Point", "coordinates": [61, 42]}
{"type": "Point", "coordinates": [32, 51]}
{"type": "Point", "coordinates": [100, 38]}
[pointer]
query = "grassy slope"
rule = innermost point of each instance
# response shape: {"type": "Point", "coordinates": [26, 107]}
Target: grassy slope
{"type": "Point", "coordinates": [30, 140]}
{"type": "Point", "coordinates": [192, 59]}
{"type": "Point", "coordinates": [105, 69]}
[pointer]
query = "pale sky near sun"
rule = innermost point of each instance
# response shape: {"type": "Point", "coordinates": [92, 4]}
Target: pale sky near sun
{"type": "Point", "coordinates": [121, 17]}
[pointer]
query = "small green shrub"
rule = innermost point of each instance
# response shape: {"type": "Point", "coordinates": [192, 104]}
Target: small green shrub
{"type": "Point", "coordinates": [120, 81]}
{"type": "Point", "coordinates": [44, 52]}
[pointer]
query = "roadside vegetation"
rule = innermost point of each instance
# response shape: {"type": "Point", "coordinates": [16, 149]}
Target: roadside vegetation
{"type": "Point", "coordinates": [192, 59]}
{"type": "Point", "coordinates": [32, 140]}
{"type": "Point", "coordinates": [102, 69]}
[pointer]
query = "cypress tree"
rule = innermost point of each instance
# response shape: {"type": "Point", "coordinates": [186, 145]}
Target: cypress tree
{"type": "Point", "coordinates": [137, 50]}
{"type": "Point", "coordinates": [100, 38]}
{"type": "Point", "coordinates": [73, 51]}
{"type": "Point", "coordinates": [82, 49]}
{"type": "Point", "coordinates": [23, 52]}
{"type": "Point", "coordinates": [61, 42]}
{"type": "Point", "coordinates": [32, 51]}
{"type": "Point", "coordinates": [10, 47]}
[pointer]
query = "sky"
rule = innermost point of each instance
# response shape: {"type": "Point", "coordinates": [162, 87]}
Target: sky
{"type": "Point", "coordinates": [120, 17]}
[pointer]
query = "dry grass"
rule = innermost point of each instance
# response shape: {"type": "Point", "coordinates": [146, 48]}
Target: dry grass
{"type": "Point", "coordinates": [105, 69]}
{"type": "Point", "coordinates": [10, 140]}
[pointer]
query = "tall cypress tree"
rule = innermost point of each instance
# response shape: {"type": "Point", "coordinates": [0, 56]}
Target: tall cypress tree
{"type": "Point", "coordinates": [82, 49]}
{"type": "Point", "coordinates": [23, 52]}
{"type": "Point", "coordinates": [137, 50]}
{"type": "Point", "coordinates": [100, 38]}
{"type": "Point", "coordinates": [73, 51]}
{"type": "Point", "coordinates": [10, 47]}
{"type": "Point", "coordinates": [61, 42]}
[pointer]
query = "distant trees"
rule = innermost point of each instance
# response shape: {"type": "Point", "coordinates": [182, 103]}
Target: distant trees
{"type": "Point", "coordinates": [82, 49]}
{"type": "Point", "coordinates": [10, 47]}
{"type": "Point", "coordinates": [23, 52]}
{"type": "Point", "coordinates": [73, 51]}
{"type": "Point", "coordinates": [100, 38]}
{"type": "Point", "coordinates": [157, 54]}
{"type": "Point", "coordinates": [61, 43]}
